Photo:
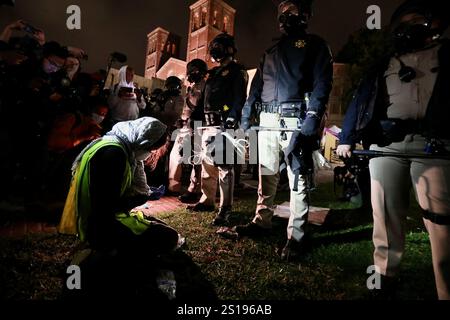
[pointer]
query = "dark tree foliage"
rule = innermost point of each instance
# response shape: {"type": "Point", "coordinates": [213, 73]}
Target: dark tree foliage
{"type": "Point", "coordinates": [363, 51]}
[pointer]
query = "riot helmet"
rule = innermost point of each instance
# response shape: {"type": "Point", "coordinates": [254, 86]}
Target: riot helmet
{"type": "Point", "coordinates": [222, 46]}
{"type": "Point", "coordinates": [416, 23]}
{"type": "Point", "coordinates": [173, 85]}
{"type": "Point", "coordinates": [196, 70]}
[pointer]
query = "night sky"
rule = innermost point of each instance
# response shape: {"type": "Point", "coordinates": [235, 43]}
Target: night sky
{"type": "Point", "coordinates": [114, 25]}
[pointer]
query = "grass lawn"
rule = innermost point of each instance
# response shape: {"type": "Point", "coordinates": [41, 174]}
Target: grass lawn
{"type": "Point", "coordinates": [33, 268]}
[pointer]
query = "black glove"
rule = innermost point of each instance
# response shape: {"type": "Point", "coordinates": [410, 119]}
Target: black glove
{"type": "Point", "coordinates": [230, 123]}
{"type": "Point", "coordinates": [310, 126]}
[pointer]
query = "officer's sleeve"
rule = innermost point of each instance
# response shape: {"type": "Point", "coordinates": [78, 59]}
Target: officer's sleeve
{"type": "Point", "coordinates": [239, 94]}
{"type": "Point", "coordinates": [323, 80]}
{"type": "Point", "coordinates": [254, 95]}
{"type": "Point", "coordinates": [347, 135]}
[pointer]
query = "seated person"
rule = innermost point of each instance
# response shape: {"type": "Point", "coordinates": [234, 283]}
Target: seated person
{"type": "Point", "coordinates": [108, 182]}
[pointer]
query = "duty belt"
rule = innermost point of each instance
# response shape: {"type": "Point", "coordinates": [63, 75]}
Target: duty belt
{"type": "Point", "coordinates": [405, 126]}
{"type": "Point", "coordinates": [295, 109]}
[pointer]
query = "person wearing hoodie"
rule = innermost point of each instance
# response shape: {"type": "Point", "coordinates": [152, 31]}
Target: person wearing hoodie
{"type": "Point", "coordinates": [108, 182]}
{"type": "Point", "coordinates": [124, 100]}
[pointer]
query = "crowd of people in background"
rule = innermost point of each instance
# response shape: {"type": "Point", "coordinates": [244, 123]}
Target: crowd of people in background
{"type": "Point", "coordinates": [51, 108]}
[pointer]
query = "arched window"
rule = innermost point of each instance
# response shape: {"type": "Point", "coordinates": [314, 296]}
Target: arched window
{"type": "Point", "coordinates": [168, 46]}
{"type": "Point", "coordinates": [204, 13]}
{"type": "Point", "coordinates": [174, 49]}
{"type": "Point", "coordinates": [216, 13]}
{"type": "Point", "coordinates": [225, 24]}
{"type": "Point", "coordinates": [153, 46]}
{"type": "Point", "coordinates": [196, 21]}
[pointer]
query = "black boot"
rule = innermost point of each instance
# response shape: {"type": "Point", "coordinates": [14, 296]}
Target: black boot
{"type": "Point", "coordinates": [222, 217]}
{"type": "Point", "coordinates": [189, 197]}
{"type": "Point", "coordinates": [251, 230]}
{"type": "Point", "coordinates": [387, 290]}
{"type": "Point", "coordinates": [293, 250]}
{"type": "Point", "coordinates": [201, 207]}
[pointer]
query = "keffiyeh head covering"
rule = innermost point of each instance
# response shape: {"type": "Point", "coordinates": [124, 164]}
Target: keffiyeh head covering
{"type": "Point", "coordinates": [140, 134]}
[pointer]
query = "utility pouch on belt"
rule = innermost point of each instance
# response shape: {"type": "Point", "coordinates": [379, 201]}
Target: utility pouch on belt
{"type": "Point", "coordinates": [213, 119]}
{"type": "Point", "coordinates": [287, 110]}
{"type": "Point", "coordinates": [395, 130]}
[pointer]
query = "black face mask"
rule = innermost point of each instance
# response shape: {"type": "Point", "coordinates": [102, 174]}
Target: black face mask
{"type": "Point", "coordinates": [412, 37]}
{"type": "Point", "coordinates": [173, 92]}
{"type": "Point", "coordinates": [291, 24]}
{"type": "Point", "coordinates": [194, 77]}
{"type": "Point", "coordinates": [218, 52]}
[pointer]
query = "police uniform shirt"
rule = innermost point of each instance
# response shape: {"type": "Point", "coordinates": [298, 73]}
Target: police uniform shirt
{"type": "Point", "coordinates": [226, 90]}
{"type": "Point", "coordinates": [409, 100]}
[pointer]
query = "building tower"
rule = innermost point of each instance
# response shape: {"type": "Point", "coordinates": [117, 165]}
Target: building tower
{"type": "Point", "coordinates": [161, 46]}
{"type": "Point", "coordinates": [208, 18]}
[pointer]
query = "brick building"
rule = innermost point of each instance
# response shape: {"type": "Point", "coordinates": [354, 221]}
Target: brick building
{"type": "Point", "coordinates": [208, 18]}
{"type": "Point", "coordinates": [161, 46]}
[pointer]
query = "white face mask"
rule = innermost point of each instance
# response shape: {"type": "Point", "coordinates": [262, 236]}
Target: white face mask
{"type": "Point", "coordinates": [141, 155]}
{"type": "Point", "coordinates": [97, 118]}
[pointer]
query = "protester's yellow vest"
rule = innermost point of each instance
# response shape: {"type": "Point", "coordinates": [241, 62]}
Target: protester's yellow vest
{"type": "Point", "coordinates": [77, 208]}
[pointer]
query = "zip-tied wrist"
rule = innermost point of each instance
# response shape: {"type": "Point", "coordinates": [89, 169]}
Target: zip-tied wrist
{"type": "Point", "coordinates": [239, 144]}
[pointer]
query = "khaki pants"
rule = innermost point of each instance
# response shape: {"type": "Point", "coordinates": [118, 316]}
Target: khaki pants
{"type": "Point", "coordinates": [270, 145]}
{"type": "Point", "coordinates": [211, 174]}
{"type": "Point", "coordinates": [176, 164]}
{"type": "Point", "coordinates": [391, 181]}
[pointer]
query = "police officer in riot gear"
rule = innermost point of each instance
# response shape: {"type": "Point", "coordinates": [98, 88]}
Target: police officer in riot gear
{"type": "Point", "coordinates": [290, 90]}
{"type": "Point", "coordinates": [403, 107]}
{"type": "Point", "coordinates": [196, 72]}
{"type": "Point", "coordinates": [170, 103]}
{"type": "Point", "coordinates": [225, 94]}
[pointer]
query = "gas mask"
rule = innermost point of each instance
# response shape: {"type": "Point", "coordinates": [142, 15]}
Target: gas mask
{"type": "Point", "coordinates": [218, 52]}
{"type": "Point", "coordinates": [195, 77]}
{"type": "Point", "coordinates": [291, 20]}
{"type": "Point", "coordinates": [410, 37]}
{"type": "Point", "coordinates": [291, 24]}
{"type": "Point", "coordinates": [222, 47]}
